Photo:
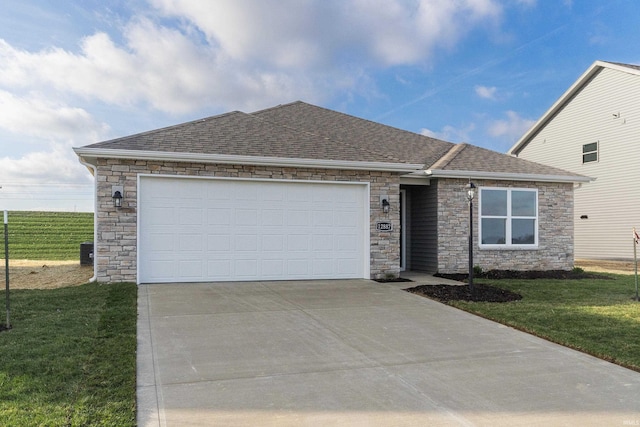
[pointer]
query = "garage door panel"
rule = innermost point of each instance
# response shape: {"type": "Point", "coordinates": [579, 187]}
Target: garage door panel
{"type": "Point", "coordinates": [218, 242]}
{"type": "Point", "coordinates": [322, 242]}
{"type": "Point", "coordinates": [219, 216]}
{"type": "Point", "coordinates": [323, 218]}
{"type": "Point", "coordinates": [190, 242]}
{"type": "Point", "coordinates": [160, 242]}
{"type": "Point", "coordinates": [297, 218]}
{"type": "Point", "coordinates": [212, 230]}
{"type": "Point", "coordinates": [246, 217]}
{"type": "Point", "coordinates": [246, 268]}
{"type": "Point", "coordinates": [161, 270]}
{"type": "Point", "coordinates": [160, 216]}
{"type": "Point", "coordinates": [246, 242]}
{"type": "Point", "coordinates": [345, 243]}
{"type": "Point", "coordinates": [323, 266]}
{"type": "Point", "coordinates": [272, 217]}
{"type": "Point", "coordinates": [272, 243]}
{"type": "Point", "coordinates": [220, 268]}
{"type": "Point", "coordinates": [298, 267]}
{"type": "Point", "coordinates": [190, 269]}
{"type": "Point", "coordinates": [245, 191]}
{"type": "Point", "coordinates": [346, 266]}
{"type": "Point", "coordinates": [273, 194]}
{"type": "Point", "coordinates": [298, 194]}
{"type": "Point", "coordinates": [297, 243]}
{"type": "Point", "coordinates": [346, 218]}
{"type": "Point", "coordinates": [272, 268]}
{"type": "Point", "coordinates": [190, 216]}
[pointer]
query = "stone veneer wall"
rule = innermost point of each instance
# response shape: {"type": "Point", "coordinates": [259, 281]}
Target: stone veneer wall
{"type": "Point", "coordinates": [555, 229]}
{"type": "Point", "coordinates": [116, 248]}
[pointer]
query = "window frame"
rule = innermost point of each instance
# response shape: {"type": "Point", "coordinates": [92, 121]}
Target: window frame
{"type": "Point", "coordinates": [509, 217]}
{"type": "Point", "coordinates": [591, 152]}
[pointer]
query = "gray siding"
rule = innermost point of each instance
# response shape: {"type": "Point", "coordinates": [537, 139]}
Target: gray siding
{"type": "Point", "coordinates": [607, 111]}
{"type": "Point", "coordinates": [422, 216]}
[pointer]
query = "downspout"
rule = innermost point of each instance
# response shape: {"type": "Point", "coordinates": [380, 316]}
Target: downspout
{"type": "Point", "coordinates": [95, 216]}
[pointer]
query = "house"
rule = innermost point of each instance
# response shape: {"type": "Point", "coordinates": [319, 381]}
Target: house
{"type": "Point", "coordinates": [593, 129]}
{"type": "Point", "coordinates": [302, 192]}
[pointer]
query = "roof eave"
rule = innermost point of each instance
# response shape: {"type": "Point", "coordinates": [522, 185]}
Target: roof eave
{"type": "Point", "coordinates": [91, 154]}
{"type": "Point", "coordinates": [506, 176]}
{"type": "Point", "coordinates": [577, 85]}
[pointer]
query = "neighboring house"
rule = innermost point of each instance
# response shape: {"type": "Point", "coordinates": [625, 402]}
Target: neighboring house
{"type": "Point", "coordinates": [302, 192]}
{"type": "Point", "coordinates": [594, 130]}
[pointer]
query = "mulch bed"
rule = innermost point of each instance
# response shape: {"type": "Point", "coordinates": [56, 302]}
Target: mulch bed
{"type": "Point", "coordinates": [531, 274]}
{"type": "Point", "coordinates": [393, 280]}
{"type": "Point", "coordinates": [480, 293]}
{"type": "Point", "coordinates": [486, 293]}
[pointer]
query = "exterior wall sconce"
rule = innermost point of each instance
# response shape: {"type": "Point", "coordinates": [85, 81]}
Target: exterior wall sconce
{"type": "Point", "coordinates": [384, 201]}
{"type": "Point", "coordinates": [117, 192]}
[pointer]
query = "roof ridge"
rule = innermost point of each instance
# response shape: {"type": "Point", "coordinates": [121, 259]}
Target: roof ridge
{"type": "Point", "coordinates": [275, 107]}
{"type": "Point", "coordinates": [297, 129]}
{"type": "Point", "coordinates": [449, 156]}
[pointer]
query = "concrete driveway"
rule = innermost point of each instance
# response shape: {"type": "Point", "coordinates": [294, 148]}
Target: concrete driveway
{"type": "Point", "coordinates": [355, 352]}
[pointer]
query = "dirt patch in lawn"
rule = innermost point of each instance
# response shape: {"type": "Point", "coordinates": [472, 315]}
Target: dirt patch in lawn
{"type": "Point", "coordinates": [29, 274]}
{"type": "Point", "coordinates": [606, 266]}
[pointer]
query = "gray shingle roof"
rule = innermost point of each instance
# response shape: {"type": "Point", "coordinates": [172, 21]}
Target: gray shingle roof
{"type": "Point", "coordinates": [242, 134]}
{"type": "Point", "coordinates": [303, 131]}
{"type": "Point", "coordinates": [465, 157]}
{"type": "Point", "coordinates": [408, 147]}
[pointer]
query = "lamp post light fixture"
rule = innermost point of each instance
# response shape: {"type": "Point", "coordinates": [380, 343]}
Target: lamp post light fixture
{"type": "Point", "coordinates": [471, 192]}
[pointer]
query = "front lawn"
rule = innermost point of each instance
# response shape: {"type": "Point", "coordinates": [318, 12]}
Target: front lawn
{"type": "Point", "coordinates": [597, 316]}
{"type": "Point", "coordinates": [70, 358]}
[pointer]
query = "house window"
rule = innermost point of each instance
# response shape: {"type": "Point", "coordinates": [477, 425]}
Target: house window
{"type": "Point", "coordinates": [508, 218]}
{"type": "Point", "coordinates": [590, 152]}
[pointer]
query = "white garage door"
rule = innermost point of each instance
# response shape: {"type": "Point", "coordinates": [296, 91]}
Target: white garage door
{"type": "Point", "coordinates": [194, 230]}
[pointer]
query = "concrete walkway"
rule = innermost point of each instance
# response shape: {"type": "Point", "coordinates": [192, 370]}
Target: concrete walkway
{"type": "Point", "coordinates": [356, 353]}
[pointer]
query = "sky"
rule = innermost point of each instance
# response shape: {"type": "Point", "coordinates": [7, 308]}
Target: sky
{"type": "Point", "coordinates": [478, 71]}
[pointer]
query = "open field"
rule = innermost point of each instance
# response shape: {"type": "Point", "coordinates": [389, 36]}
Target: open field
{"type": "Point", "coordinates": [44, 249]}
{"type": "Point", "coordinates": [47, 235]}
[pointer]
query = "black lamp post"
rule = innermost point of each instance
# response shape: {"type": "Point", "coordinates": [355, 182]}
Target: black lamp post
{"type": "Point", "coordinates": [471, 192]}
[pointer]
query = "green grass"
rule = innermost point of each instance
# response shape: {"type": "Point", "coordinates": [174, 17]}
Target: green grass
{"type": "Point", "coordinates": [70, 358]}
{"type": "Point", "coordinates": [596, 316]}
{"type": "Point", "coordinates": [47, 235]}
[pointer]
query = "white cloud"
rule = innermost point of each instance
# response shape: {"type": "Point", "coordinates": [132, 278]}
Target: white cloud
{"type": "Point", "coordinates": [39, 117]}
{"type": "Point", "coordinates": [451, 133]}
{"type": "Point", "coordinates": [513, 127]}
{"type": "Point", "coordinates": [57, 164]}
{"type": "Point", "coordinates": [486, 92]}
{"type": "Point", "coordinates": [305, 34]}
{"type": "Point", "coordinates": [256, 53]}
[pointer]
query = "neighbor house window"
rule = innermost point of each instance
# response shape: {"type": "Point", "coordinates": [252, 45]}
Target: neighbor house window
{"type": "Point", "coordinates": [508, 218]}
{"type": "Point", "coordinates": [590, 152]}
